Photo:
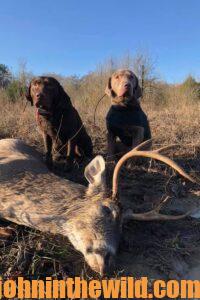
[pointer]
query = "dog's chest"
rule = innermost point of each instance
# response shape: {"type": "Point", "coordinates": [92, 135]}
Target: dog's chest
{"type": "Point", "coordinates": [124, 118]}
{"type": "Point", "coordinates": [44, 122]}
{"type": "Point", "coordinates": [128, 130]}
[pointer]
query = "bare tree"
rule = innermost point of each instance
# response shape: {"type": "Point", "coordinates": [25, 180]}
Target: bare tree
{"type": "Point", "coordinates": [5, 76]}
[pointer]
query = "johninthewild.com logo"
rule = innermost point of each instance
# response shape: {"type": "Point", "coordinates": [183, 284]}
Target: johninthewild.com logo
{"type": "Point", "coordinates": [123, 287]}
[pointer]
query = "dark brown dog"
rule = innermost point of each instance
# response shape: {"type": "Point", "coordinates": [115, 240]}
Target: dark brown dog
{"type": "Point", "coordinates": [63, 131]}
{"type": "Point", "coordinates": [125, 119]}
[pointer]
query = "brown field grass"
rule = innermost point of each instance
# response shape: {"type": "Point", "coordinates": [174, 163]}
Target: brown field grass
{"type": "Point", "coordinates": [30, 253]}
{"type": "Point", "coordinates": [176, 121]}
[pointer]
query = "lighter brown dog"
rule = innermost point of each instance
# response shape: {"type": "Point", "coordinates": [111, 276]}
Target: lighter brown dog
{"type": "Point", "coordinates": [125, 119]}
{"type": "Point", "coordinates": [123, 87]}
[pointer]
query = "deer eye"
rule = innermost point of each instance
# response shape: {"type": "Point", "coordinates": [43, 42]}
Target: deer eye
{"type": "Point", "coordinates": [106, 210]}
{"type": "Point", "coordinates": [89, 250]}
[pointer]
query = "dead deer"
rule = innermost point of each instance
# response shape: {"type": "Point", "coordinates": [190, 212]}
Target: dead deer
{"type": "Point", "coordinates": [32, 196]}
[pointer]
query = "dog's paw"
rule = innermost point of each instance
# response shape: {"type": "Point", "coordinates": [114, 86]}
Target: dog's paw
{"type": "Point", "coordinates": [68, 165]}
{"type": "Point", "coordinates": [48, 161]}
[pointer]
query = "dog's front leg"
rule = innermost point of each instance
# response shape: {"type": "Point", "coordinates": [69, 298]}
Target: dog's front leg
{"type": "Point", "coordinates": [71, 149]}
{"type": "Point", "coordinates": [111, 146]}
{"type": "Point", "coordinates": [137, 136]}
{"type": "Point", "coordinates": [48, 149]}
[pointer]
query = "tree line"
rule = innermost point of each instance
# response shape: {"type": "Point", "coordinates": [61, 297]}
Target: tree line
{"type": "Point", "coordinates": [90, 87]}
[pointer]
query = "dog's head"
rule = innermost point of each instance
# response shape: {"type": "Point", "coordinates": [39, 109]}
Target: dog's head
{"type": "Point", "coordinates": [47, 94]}
{"type": "Point", "coordinates": [123, 88]}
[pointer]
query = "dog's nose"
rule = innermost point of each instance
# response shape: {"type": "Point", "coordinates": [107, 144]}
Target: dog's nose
{"type": "Point", "coordinates": [38, 95]}
{"type": "Point", "coordinates": [127, 85]}
{"type": "Point", "coordinates": [38, 101]}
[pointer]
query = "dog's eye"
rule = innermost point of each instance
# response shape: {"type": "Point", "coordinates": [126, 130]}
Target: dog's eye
{"type": "Point", "coordinates": [117, 77]}
{"type": "Point", "coordinates": [49, 85]}
{"type": "Point", "coordinates": [36, 83]}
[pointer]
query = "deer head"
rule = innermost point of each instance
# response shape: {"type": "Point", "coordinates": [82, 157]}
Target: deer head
{"type": "Point", "coordinates": [95, 229]}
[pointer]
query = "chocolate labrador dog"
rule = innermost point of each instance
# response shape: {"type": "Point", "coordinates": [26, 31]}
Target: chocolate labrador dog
{"type": "Point", "coordinates": [125, 119]}
{"type": "Point", "coordinates": [59, 122]}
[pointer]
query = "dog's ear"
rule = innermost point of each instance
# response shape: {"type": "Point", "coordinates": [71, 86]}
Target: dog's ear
{"type": "Point", "coordinates": [137, 91]}
{"type": "Point", "coordinates": [108, 90]}
{"type": "Point", "coordinates": [28, 94]}
{"type": "Point", "coordinates": [64, 101]}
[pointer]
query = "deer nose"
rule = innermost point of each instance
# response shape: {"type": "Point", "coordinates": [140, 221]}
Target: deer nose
{"type": "Point", "coordinates": [105, 264]}
{"type": "Point", "coordinates": [102, 271]}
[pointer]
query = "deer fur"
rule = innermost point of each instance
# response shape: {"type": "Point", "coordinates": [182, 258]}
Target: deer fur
{"type": "Point", "coordinates": [32, 196]}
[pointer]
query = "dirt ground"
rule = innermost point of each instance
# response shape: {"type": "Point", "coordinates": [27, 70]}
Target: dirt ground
{"type": "Point", "coordinates": [167, 249]}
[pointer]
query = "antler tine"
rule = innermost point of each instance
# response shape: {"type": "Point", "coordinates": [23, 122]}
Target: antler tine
{"type": "Point", "coordinates": [145, 143]}
{"type": "Point", "coordinates": [162, 202]}
{"type": "Point", "coordinates": [150, 154]}
{"type": "Point", "coordinates": [153, 215]}
{"type": "Point", "coordinates": [159, 150]}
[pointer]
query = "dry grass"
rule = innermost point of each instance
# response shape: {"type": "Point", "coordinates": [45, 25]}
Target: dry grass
{"type": "Point", "coordinates": [175, 122]}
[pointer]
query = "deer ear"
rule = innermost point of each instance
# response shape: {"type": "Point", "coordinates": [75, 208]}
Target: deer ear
{"type": "Point", "coordinates": [137, 90]}
{"type": "Point", "coordinates": [95, 170]}
{"type": "Point", "coordinates": [108, 90]}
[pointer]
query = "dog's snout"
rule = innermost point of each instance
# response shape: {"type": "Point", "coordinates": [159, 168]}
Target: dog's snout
{"type": "Point", "coordinates": [127, 85]}
{"type": "Point", "coordinates": [38, 102]}
{"type": "Point", "coordinates": [39, 99]}
{"type": "Point", "coordinates": [38, 95]}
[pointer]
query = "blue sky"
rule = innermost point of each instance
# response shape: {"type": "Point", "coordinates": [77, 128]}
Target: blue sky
{"type": "Point", "coordinates": [73, 37]}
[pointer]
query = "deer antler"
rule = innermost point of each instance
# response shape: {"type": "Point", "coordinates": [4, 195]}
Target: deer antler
{"type": "Point", "coordinates": [155, 154]}
{"type": "Point", "coordinates": [152, 214]}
